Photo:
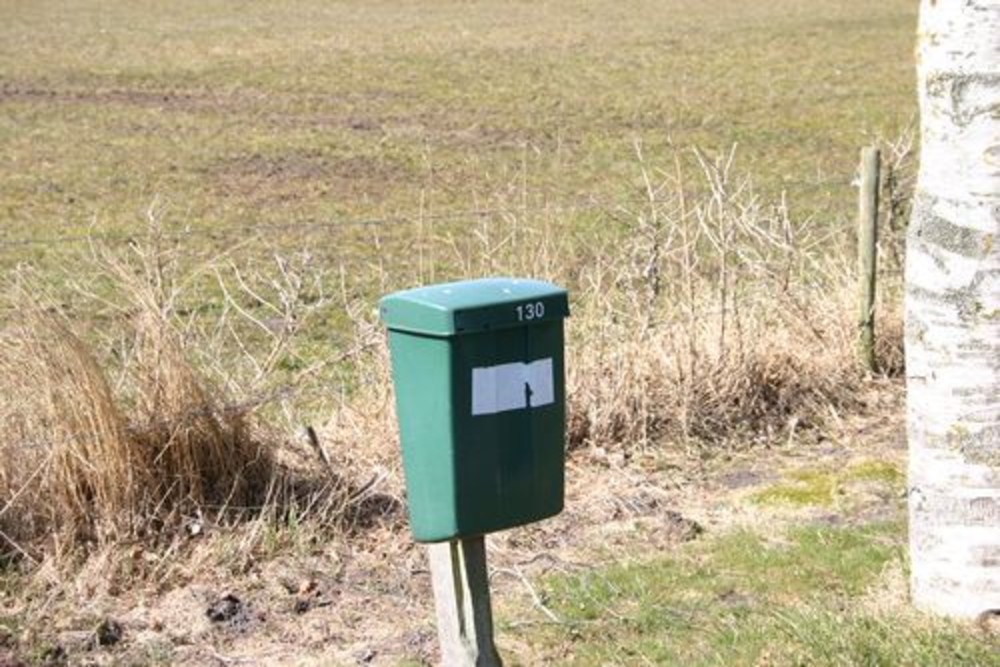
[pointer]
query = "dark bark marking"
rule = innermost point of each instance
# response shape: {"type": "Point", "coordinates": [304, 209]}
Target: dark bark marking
{"type": "Point", "coordinates": [981, 447]}
{"type": "Point", "coordinates": [955, 88]}
{"type": "Point", "coordinates": [963, 300]}
{"type": "Point", "coordinates": [986, 556]}
{"type": "Point", "coordinates": [937, 509]}
{"type": "Point", "coordinates": [939, 232]}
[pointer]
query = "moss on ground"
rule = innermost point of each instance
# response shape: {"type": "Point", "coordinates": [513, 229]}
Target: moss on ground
{"type": "Point", "coordinates": [821, 488]}
{"type": "Point", "coordinates": [875, 471]}
{"type": "Point", "coordinates": [801, 488]}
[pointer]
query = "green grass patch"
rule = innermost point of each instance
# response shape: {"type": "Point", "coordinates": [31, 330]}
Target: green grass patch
{"type": "Point", "coordinates": [801, 488]}
{"type": "Point", "coordinates": [742, 599]}
{"type": "Point", "coordinates": [821, 488]}
{"type": "Point", "coordinates": [875, 471]}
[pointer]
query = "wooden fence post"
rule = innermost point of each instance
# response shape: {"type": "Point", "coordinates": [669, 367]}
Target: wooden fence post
{"type": "Point", "coordinates": [462, 600]}
{"type": "Point", "coordinates": [867, 252]}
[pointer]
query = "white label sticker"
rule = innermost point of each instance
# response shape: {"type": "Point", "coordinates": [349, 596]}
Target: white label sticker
{"type": "Point", "coordinates": [513, 386]}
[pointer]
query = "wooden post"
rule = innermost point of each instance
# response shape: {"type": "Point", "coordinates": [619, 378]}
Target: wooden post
{"type": "Point", "coordinates": [462, 599]}
{"type": "Point", "coordinates": [867, 240]}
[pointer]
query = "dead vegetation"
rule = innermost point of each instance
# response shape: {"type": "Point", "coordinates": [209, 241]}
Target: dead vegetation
{"type": "Point", "coordinates": [713, 317]}
{"type": "Point", "coordinates": [294, 174]}
{"type": "Point", "coordinates": [708, 318]}
{"type": "Point", "coordinates": [116, 436]}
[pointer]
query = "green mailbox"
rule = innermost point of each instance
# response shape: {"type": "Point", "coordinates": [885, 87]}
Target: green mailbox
{"type": "Point", "coordinates": [480, 396]}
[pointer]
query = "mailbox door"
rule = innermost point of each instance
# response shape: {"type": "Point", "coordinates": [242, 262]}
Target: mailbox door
{"type": "Point", "coordinates": [509, 426]}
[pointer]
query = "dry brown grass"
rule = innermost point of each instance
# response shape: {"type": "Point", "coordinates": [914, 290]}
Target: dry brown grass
{"type": "Point", "coordinates": [707, 317]}
{"type": "Point", "coordinates": [720, 376]}
{"type": "Point", "coordinates": [712, 320]}
{"type": "Point", "coordinates": [68, 464]}
{"type": "Point", "coordinates": [79, 465]}
{"type": "Point", "coordinates": [103, 446]}
{"type": "Point", "coordinates": [730, 323]}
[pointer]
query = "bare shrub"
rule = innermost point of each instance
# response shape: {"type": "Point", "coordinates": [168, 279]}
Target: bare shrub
{"type": "Point", "coordinates": [712, 318]}
{"type": "Point", "coordinates": [200, 450]}
{"type": "Point", "coordinates": [720, 319]}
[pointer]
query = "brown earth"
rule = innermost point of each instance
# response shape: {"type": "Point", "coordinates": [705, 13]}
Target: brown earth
{"type": "Point", "coordinates": [366, 599]}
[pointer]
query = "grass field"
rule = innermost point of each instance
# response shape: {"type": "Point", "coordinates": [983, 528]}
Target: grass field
{"type": "Point", "coordinates": [745, 599]}
{"type": "Point", "coordinates": [283, 112]}
{"type": "Point", "coordinates": [813, 579]}
{"type": "Point", "coordinates": [257, 132]}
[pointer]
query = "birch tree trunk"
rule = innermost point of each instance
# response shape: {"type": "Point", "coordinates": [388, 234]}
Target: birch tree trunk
{"type": "Point", "coordinates": [953, 313]}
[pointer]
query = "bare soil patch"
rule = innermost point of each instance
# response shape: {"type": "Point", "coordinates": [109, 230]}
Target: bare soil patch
{"type": "Point", "coordinates": [366, 598]}
{"type": "Point", "coordinates": [292, 175]}
{"type": "Point", "coordinates": [268, 108]}
{"type": "Point", "coordinates": [167, 100]}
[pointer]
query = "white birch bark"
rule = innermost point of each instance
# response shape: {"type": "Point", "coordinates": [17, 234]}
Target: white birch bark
{"type": "Point", "coordinates": [953, 313]}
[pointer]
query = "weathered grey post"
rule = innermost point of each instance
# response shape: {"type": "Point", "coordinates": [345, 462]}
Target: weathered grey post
{"type": "Point", "coordinates": [867, 252]}
{"type": "Point", "coordinates": [462, 601]}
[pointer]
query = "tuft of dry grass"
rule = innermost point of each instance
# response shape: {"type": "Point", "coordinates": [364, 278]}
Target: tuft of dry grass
{"type": "Point", "coordinates": [106, 446]}
{"type": "Point", "coordinates": [67, 461]}
{"type": "Point", "coordinates": [81, 466]}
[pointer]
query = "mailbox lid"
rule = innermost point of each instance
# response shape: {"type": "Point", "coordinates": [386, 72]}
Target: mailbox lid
{"type": "Point", "coordinates": [471, 306]}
